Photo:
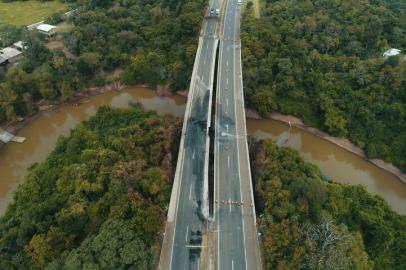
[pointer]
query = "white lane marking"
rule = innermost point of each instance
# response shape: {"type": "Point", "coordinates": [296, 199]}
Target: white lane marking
{"type": "Point", "coordinates": [227, 81]}
{"type": "Point", "coordinates": [193, 156]}
{"type": "Point", "coordinates": [227, 63]}
{"type": "Point", "coordinates": [187, 231]}
{"type": "Point", "coordinates": [190, 193]}
{"type": "Point", "coordinates": [228, 161]}
{"type": "Point", "coordinates": [227, 102]}
{"type": "Point", "coordinates": [229, 203]}
{"type": "Point", "coordinates": [227, 127]}
{"type": "Point", "coordinates": [198, 263]}
{"type": "Point", "coordinates": [232, 264]}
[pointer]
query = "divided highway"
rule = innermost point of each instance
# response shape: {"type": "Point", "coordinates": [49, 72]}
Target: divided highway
{"type": "Point", "coordinates": [234, 209]}
{"type": "Point", "coordinates": [230, 241]}
{"type": "Point", "coordinates": [188, 209]}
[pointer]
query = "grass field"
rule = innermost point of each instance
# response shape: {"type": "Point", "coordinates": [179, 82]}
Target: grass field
{"type": "Point", "coordinates": [28, 12]}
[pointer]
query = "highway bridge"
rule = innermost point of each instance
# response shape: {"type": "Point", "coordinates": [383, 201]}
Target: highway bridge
{"type": "Point", "coordinates": [226, 237]}
{"type": "Point", "coordinates": [188, 209]}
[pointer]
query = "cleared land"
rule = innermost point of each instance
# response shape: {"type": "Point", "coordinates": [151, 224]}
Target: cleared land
{"type": "Point", "coordinates": [28, 12]}
{"type": "Point", "coordinates": [257, 11]}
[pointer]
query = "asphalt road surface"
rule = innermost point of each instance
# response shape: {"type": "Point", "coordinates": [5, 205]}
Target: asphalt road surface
{"type": "Point", "coordinates": [235, 224]}
{"type": "Point", "coordinates": [183, 234]}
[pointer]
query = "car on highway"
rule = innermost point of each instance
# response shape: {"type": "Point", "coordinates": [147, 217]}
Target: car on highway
{"type": "Point", "coordinates": [217, 11]}
{"type": "Point", "coordinates": [239, 2]}
{"type": "Point", "coordinates": [212, 12]}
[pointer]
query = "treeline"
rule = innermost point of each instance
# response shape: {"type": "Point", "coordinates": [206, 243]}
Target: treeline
{"type": "Point", "coordinates": [152, 41]}
{"type": "Point", "coordinates": [323, 62]}
{"type": "Point", "coordinates": [99, 200]}
{"type": "Point", "coordinates": [307, 223]}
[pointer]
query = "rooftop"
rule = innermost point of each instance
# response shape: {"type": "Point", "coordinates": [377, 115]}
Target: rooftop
{"type": "Point", "coordinates": [9, 53]}
{"type": "Point", "coordinates": [45, 27]}
{"type": "Point", "coordinates": [5, 136]}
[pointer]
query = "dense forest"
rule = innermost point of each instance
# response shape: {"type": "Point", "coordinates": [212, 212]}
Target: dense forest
{"type": "Point", "coordinates": [151, 41]}
{"type": "Point", "coordinates": [322, 61]}
{"type": "Point", "coordinates": [99, 200]}
{"type": "Point", "coordinates": [308, 223]}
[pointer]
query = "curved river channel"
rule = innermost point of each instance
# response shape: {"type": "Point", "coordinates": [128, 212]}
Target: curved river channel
{"type": "Point", "coordinates": [43, 132]}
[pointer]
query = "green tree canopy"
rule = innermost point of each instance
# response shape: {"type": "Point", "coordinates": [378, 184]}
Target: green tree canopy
{"type": "Point", "coordinates": [99, 200]}
{"type": "Point", "coordinates": [322, 61]}
{"type": "Point", "coordinates": [307, 223]}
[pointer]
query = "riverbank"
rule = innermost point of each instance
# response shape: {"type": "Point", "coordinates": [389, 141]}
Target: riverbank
{"type": "Point", "coordinates": [43, 133]}
{"type": "Point", "coordinates": [341, 142]}
{"type": "Point", "coordinates": [78, 98]}
{"type": "Point", "coordinates": [136, 201]}
{"type": "Point", "coordinates": [81, 97]}
{"type": "Point", "coordinates": [163, 91]}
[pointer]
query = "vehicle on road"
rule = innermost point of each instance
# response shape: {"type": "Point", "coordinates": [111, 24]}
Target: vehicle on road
{"type": "Point", "coordinates": [212, 12]}
{"type": "Point", "coordinates": [239, 2]}
{"type": "Point", "coordinates": [217, 11]}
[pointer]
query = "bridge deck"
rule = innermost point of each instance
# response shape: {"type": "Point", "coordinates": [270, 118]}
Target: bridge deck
{"type": "Point", "coordinates": [189, 206]}
{"type": "Point", "coordinates": [237, 243]}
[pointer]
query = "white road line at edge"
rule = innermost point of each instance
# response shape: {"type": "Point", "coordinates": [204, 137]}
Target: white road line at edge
{"type": "Point", "coordinates": [187, 231]}
{"type": "Point", "coordinates": [238, 152]}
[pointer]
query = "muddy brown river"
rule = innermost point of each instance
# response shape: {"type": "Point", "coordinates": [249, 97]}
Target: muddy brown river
{"type": "Point", "coordinates": [43, 132]}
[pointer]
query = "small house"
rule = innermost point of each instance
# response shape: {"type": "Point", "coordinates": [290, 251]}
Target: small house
{"type": "Point", "coordinates": [11, 55]}
{"type": "Point", "coordinates": [47, 29]}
